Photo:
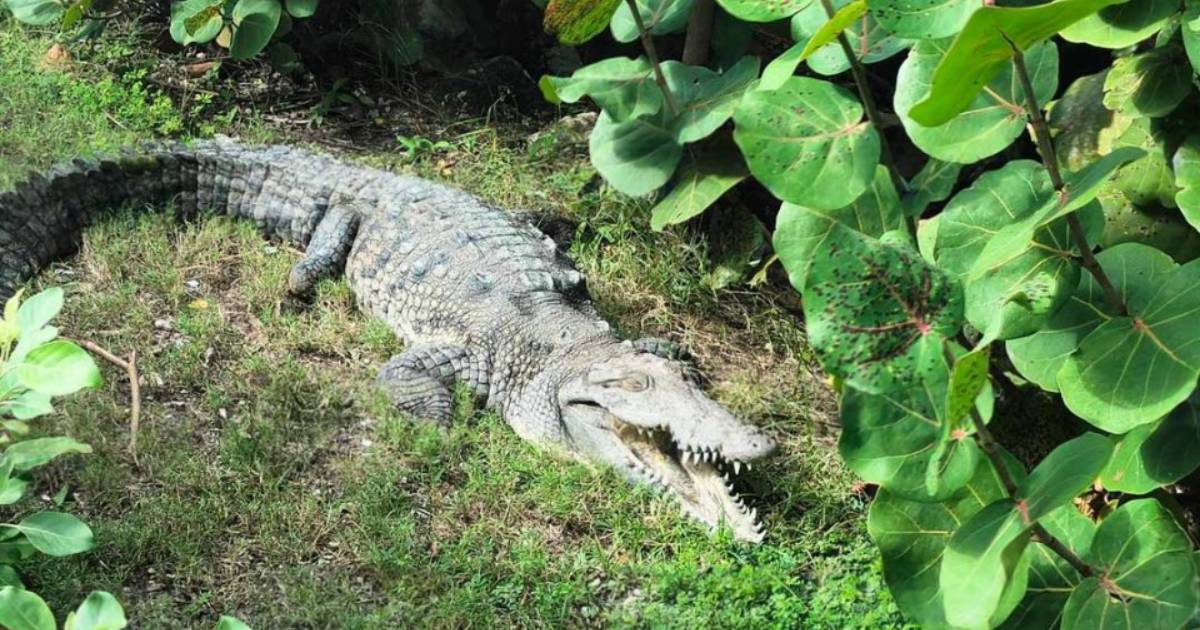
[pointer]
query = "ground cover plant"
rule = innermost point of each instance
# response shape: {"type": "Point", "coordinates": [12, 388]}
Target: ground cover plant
{"type": "Point", "coordinates": [272, 482]}
{"type": "Point", "coordinates": [1063, 260]}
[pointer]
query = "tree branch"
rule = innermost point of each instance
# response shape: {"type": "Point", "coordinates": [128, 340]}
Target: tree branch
{"type": "Point", "coordinates": [652, 55]}
{"type": "Point", "coordinates": [868, 100]}
{"type": "Point", "coordinates": [699, 33]}
{"type": "Point", "coordinates": [1045, 144]}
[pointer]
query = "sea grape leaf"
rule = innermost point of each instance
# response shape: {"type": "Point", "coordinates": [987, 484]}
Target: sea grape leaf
{"type": "Point", "coordinates": [36, 12]}
{"type": "Point", "coordinates": [893, 439]}
{"type": "Point", "coordinates": [574, 22]}
{"type": "Point", "coordinates": [1080, 188]}
{"type": "Point", "coordinates": [762, 10]}
{"type": "Point", "coordinates": [984, 48]}
{"type": "Point", "coordinates": [624, 88]}
{"type": "Point", "coordinates": [1187, 177]}
{"type": "Point", "coordinates": [996, 115]}
{"type": "Point", "coordinates": [933, 183]}
{"type": "Point", "coordinates": [707, 99]}
{"type": "Point", "coordinates": [254, 23]}
{"type": "Point", "coordinates": [196, 21]}
{"type": "Point", "coordinates": [1063, 475]}
{"type": "Point", "coordinates": [1161, 228]}
{"type": "Point", "coordinates": [1150, 84]}
{"type": "Point", "coordinates": [302, 8]}
{"type": "Point", "coordinates": [55, 533]}
{"type": "Point", "coordinates": [100, 611]}
{"type": "Point", "coordinates": [1190, 33]}
{"type": "Point", "coordinates": [923, 19]}
{"type": "Point", "coordinates": [1021, 292]}
{"type": "Point", "coordinates": [24, 610]}
{"type": "Point", "coordinates": [984, 561]}
{"type": "Point", "coordinates": [877, 313]}
{"type": "Point", "coordinates": [1157, 454]}
{"type": "Point", "coordinates": [1051, 579]}
{"type": "Point", "coordinates": [1083, 128]}
{"type": "Point", "coordinates": [967, 380]}
{"type": "Point", "coordinates": [912, 538]}
{"type": "Point", "coordinates": [799, 230]}
{"type": "Point", "coordinates": [1148, 179]}
{"type": "Point", "coordinates": [1134, 369]}
{"type": "Point", "coordinates": [636, 156]}
{"type": "Point", "coordinates": [701, 181]}
{"type": "Point", "coordinates": [1135, 270]}
{"type": "Point", "coordinates": [661, 17]}
{"type": "Point", "coordinates": [29, 454]}
{"type": "Point", "coordinates": [58, 368]}
{"type": "Point", "coordinates": [807, 142]}
{"type": "Point", "coordinates": [870, 41]}
{"type": "Point", "coordinates": [1122, 25]}
{"type": "Point", "coordinates": [1144, 558]}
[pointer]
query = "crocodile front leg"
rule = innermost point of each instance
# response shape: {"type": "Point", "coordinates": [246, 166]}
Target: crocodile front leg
{"type": "Point", "coordinates": [326, 254]}
{"type": "Point", "coordinates": [420, 379]}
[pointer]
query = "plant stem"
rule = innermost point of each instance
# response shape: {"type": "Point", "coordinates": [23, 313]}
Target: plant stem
{"type": "Point", "coordinates": [699, 33]}
{"type": "Point", "coordinates": [652, 55]}
{"type": "Point", "coordinates": [868, 100]}
{"type": "Point", "coordinates": [1045, 144]}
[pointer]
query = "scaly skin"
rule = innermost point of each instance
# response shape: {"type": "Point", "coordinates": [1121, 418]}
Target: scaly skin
{"type": "Point", "coordinates": [478, 295]}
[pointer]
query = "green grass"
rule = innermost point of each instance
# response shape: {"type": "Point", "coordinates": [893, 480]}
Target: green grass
{"type": "Point", "coordinates": [273, 482]}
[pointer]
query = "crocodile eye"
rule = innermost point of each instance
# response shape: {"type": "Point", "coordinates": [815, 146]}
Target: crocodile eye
{"type": "Point", "coordinates": [636, 382]}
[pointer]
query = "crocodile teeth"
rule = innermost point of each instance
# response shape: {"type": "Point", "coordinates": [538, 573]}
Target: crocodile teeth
{"type": "Point", "coordinates": [737, 467]}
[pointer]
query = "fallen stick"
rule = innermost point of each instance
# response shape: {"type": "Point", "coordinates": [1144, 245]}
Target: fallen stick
{"type": "Point", "coordinates": [135, 389]}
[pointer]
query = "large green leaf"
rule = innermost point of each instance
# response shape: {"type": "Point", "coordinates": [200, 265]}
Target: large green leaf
{"type": "Point", "coordinates": [923, 19]}
{"type": "Point", "coordinates": [893, 439]}
{"type": "Point", "coordinates": [762, 10]}
{"type": "Point", "coordinates": [870, 41]}
{"type": "Point", "coordinates": [707, 99]}
{"type": "Point", "coordinates": [984, 48]}
{"type": "Point", "coordinates": [1122, 25]}
{"type": "Point", "coordinates": [36, 12]}
{"type": "Point", "coordinates": [800, 231]}
{"type": "Point", "coordinates": [985, 561]}
{"type": "Point", "coordinates": [23, 610]}
{"type": "Point", "coordinates": [55, 533]}
{"type": "Point", "coordinates": [1151, 84]}
{"type": "Point", "coordinates": [912, 538]}
{"type": "Point", "coordinates": [1187, 177]}
{"type": "Point", "coordinates": [1021, 292]}
{"type": "Point", "coordinates": [254, 23]}
{"type": "Point", "coordinates": [1157, 454]}
{"type": "Point", "coordinates": [1065, 473]}
{"type": "Point", "coordinates": [1080, 188]}
{"type": "Point", "coordinates": [196, 21]}
{"type": "Point", "coordinates": [1136, 271]}
{"type": "Point", "coordinates": [576, 21]}
{"type": "Point", "coordinates": [1161, 228]}
{"type": "Point", "coordinates": [1147, 577]}
{"type": "Point", "coordinates": [100, 611]}
{"type": "Point", "coordinates": [1133, 370]}
{"type": "Point", "coordinates": [58, 368]}
{"type": "Point", "coordinates": [996, 115]}
{"type": "Point", "coordinates": [231, 623]}
{"type": "Point", "coordinates": [624, 88]}
{"type": "Point", "coordinates": [1051, 579]}
{"type": "Point", "coordinates": [29, 454]}
{"type": "Point", "coordinates": [661, 17]}
{"type": "Point", "coordinates": [1190, 33]}
{"type": "Point", "coordinates": [700, 183]}
{"type": "Point", "coordinates": [807, 142]}
{"type": "Point", "coordinates": [636, 156]}
{"type": "Point", "coordinates": [1148, 179]}
{"type": "Point", "coordinates": [1084, 129]}
{"type": "Point", "coordinates": [301, 8]}
{"type": "Point", "coordinates": [877, 313]}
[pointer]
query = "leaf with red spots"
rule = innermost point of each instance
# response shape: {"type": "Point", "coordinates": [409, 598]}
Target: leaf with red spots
{"type": "Point", "coordinates": [576, 21]}
{"type": "Point", "coordinates": [877, 313]}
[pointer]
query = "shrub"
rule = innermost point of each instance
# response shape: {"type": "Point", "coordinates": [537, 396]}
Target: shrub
{"type": "Point", "coordinates": [1072, 270]}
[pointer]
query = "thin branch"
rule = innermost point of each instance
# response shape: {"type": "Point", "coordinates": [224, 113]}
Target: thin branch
{"type": "Point", "coordinates": [652, 55]}
{"type": "Point", "coordinates": [1045, 144]}
{"type": "Point", "coordinates": [699, 33]}
{"type": "Point", "coordinates": [868, 100]}
{"type": "Point", "coordinates": [135, 389]}
{"type": "Point", "coordinates": [991, 449]}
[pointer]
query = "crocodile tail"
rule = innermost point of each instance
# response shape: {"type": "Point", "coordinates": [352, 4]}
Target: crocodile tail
{"type": "Point", "coordinates": [42, 218]}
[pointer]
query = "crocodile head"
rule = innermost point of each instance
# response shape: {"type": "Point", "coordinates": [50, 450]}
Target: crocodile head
{"type": "Point", "coordinates": [644, 416]}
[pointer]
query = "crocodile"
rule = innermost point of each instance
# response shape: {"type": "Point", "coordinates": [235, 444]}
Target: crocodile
{"type": "Point", "coordinates": [480, 296]}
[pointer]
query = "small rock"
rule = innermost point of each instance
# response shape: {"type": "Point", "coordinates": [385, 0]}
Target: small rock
{"type": "Point", "coordinates": [164, 324]}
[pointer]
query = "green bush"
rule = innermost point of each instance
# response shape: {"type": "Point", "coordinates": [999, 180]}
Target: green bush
{"type": "Point", "coordinates": [1075, 271]}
